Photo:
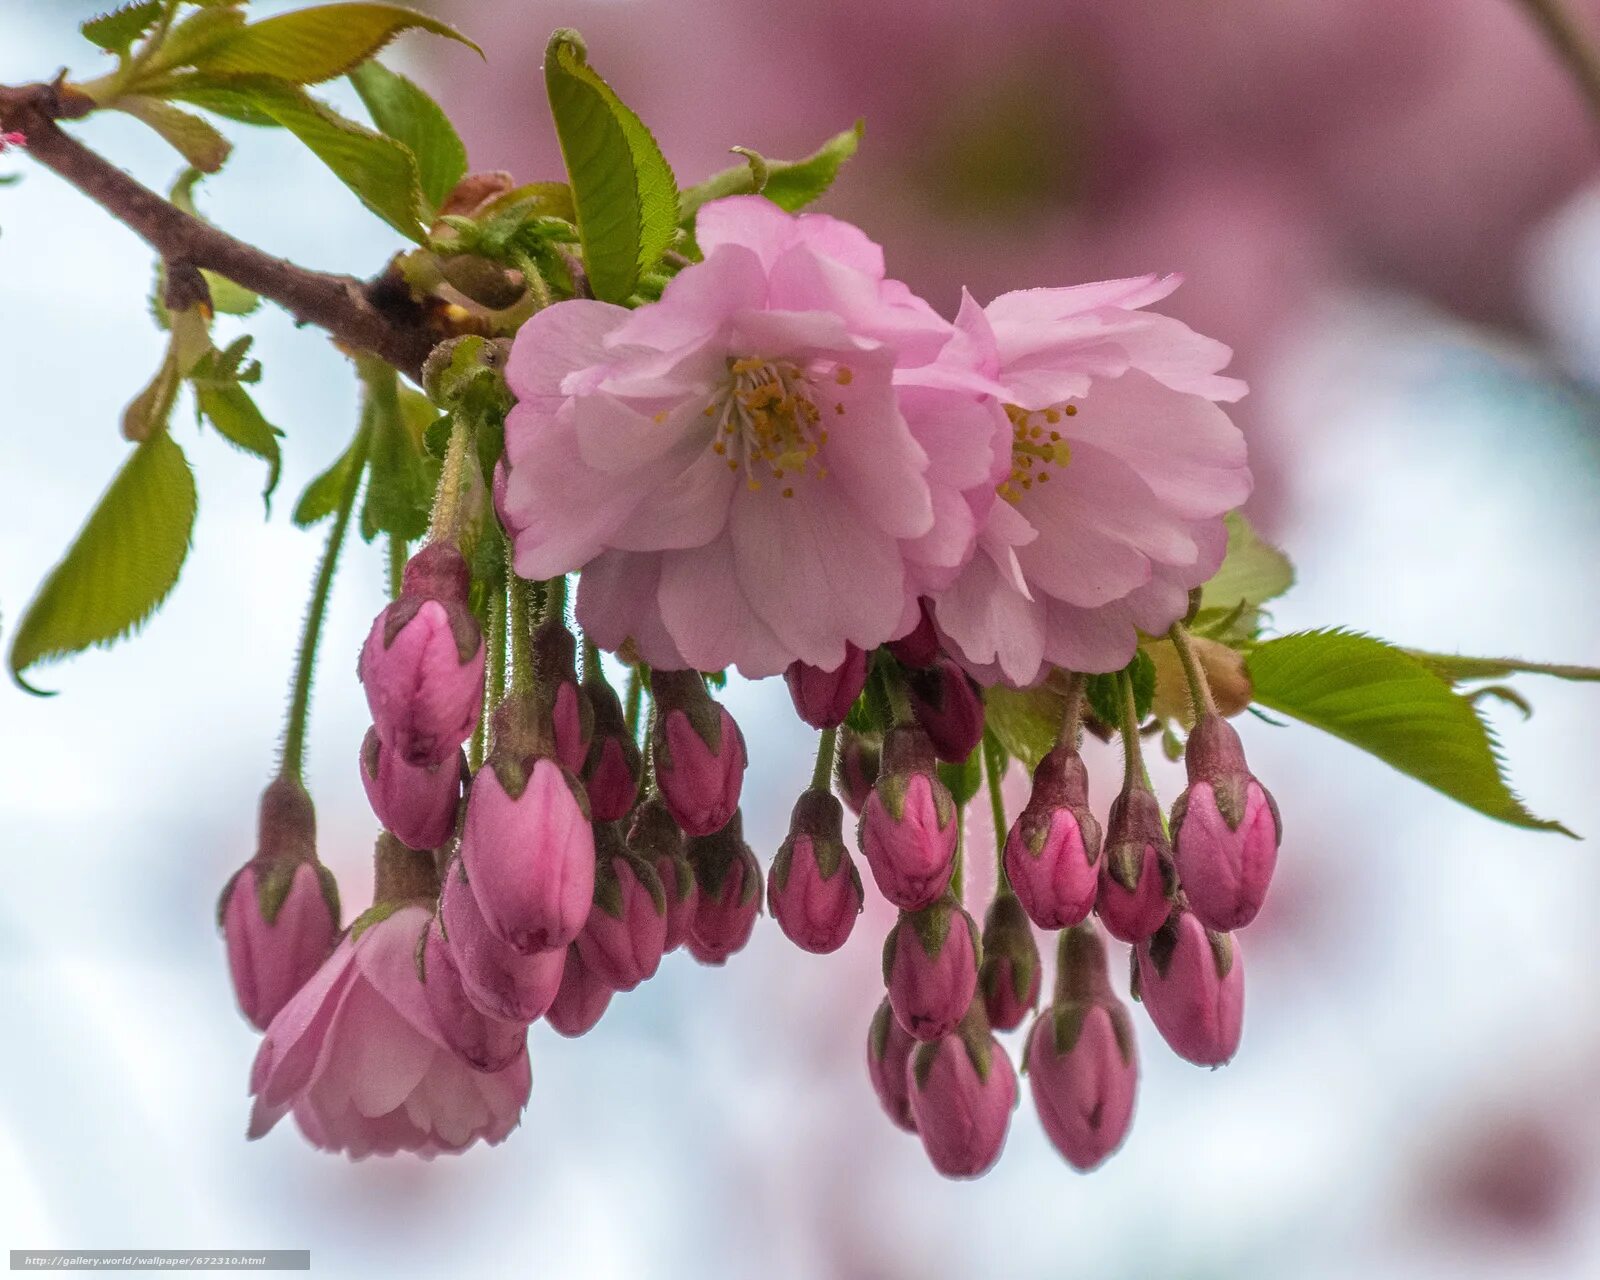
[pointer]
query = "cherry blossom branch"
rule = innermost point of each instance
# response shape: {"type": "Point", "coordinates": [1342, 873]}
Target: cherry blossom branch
{"type": "Point", "coordinates": [1570, 43]}
{"type": "Point", "coordinates": [379, 317]}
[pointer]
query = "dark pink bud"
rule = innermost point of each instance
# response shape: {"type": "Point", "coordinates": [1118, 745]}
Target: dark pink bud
{"type": "Point", "coordinates": [1191, 980]}
{"type": "Point", "coordinates": [417, 803]}
{"type": "Point", "coordinates": [699, 753]}
{"type": "Point", "coordinates": [930, 965]}
{"type": "Point", "coordinates": [948, 706]}
{"type": "Point", "coordinates": [527, 843]}
{"type": "Point", "coordinates": [908, 826]}
{"type": "Point", "coordinates": [814, 890]}
{"type": "Point", "coordinates": [279, 913]}
{"type": "Point", "coordinates": [555, 659]}
{"type": "Point", "coordinates": [962, 1090]}
{"type": "Point", "coordinates": [1137, 879]}
{"type": "Point", "coordinates": [919, 647]}
{"type": "Point", "coordinates": [626, 933]}
{"type": "Point", "coordinates": [728, 880]}
{"type": "Point", "coordinates": [856, 769]}
{"type": "Point", "coordinates": [889, 1050]}
{"type": "Point", "coordinates": [656, 838]}
{"type": "Point", "coordinates": [498, 981]}
{"type": "Point", "coordinates": [824, 698]}
{"type": "Point", "coordinates": [1010, 973]}
{"type": "Point", "coordinates": [612, 771]}
{"type": "Point", "coordinates": [581, 1000]}
{"type": "Point", "coordinates": [1082, 1065]}
{"type": "Point", "coordinates": [1225, 829]}
{"type": "Point", "coordinates": [422, 665]}
{"type": "Point", "coordinates": [1054, 845]}
{"type": "Point", "coordinates": [486, 1044]}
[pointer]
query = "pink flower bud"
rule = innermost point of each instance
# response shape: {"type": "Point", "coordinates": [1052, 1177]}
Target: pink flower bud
{"type": "Point", "coordinates": [422, 665]}
{"type": "Point", "coordinates": [889, 1050]}
{"type": "Point", "coordinates": [930, 965]}
{"type": "Point", "coordinates": [526, 842]}
{"type": "Point", "coordinates": [824, 698]}
{"type": "Point", "coordinates": [582, 999]}
{"type": "Point", "coordinates": [1010, 973]}
{"type": "Point", "coordinates": [1225, 829]}
{"type": "Point", "coordinates": [486, 1044]}
{"type": "Point", "coordinates": [962, 1091]}
{"type": "Point", "coordinates": [728, 879]}
{"type": "Point", "coordinates": [814, 890]}
{"type": "Point", "coordinates": [1137, 879]}
{"type": "Point", "coordinates": [856, 769]}
{"type": "Point", "coordinates": [699, 753]}
{"type": "Point", "coordinates": [1082, 1065]}
{"type": "Point", "coordinates": [279, 914]}
{"type": "Point", "coordinates": [655, 837]}
{"type": "Point", "coordinates": [555, 658]}
{"type": "Point", "coordinates": [919, 647]}
{"type": "Point", "coordinates": [1192, 982]}
{"type": "Point", "coordinates": [949, 708]}
{"type": "Point", "coordinates": [613, 768]}
{"type": "Point", "coordinates": [417, 803]}
{"type": "Point", "coordinates": [625, 935]}
{"type": "Point", "coordinates": [498, 981]}
{"type": "Point", "coordinates": [1054, 844]}
{"type": "Point", "coordinates": [908, 826]}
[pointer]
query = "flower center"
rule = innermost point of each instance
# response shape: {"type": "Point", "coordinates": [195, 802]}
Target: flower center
{"type": "Point", "coordinates": [1036, 448]}
{"type": "Point", "coordinates": [768, 424]}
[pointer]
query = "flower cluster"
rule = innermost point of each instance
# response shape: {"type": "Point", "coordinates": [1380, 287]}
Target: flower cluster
{"type": "Point", "coordinates": [788, 463]}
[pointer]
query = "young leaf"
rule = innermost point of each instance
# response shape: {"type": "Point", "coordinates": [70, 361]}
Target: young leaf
{"type": "Point", "coordinates": [321, 496]}
{"type": "Point", "coordinates": [1254, 571]}
{"type": "Point", "coordinates": [412, 118]}
{"type": "Point", "coordinates": [230, 409]}
{"type": "Point", "coordinates": [1026, 722]}
{"type": "Point", "coordinates": [1387, 702]}
{"type": "Point", "coordinates": [122, 564]}
{"type": "Point", "coordinates": [1456, 667]}
{"type": "Point", "coordinates": [116, 31]}
{"type": "Point", "coordinates": [1104, 692]}
{"type": "Point", "coordinates": [791, 184]}
{"type": "Point", "coordinates": [402, 476]}
{"type": "Point", "coordinates": [192, 39]}
{"type": "Point", "coordinates": [965, 778]}
{"type": "Point", "coordinates": [623, 189]}
{"type": "Point", "coordinates": [193, 138]}
{"type": "Point", "coordinates": [308, 46]}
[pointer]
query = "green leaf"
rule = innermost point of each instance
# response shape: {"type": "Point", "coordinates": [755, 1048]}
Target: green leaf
{"type": "Point", "coordinates": [1104, 694]}
{"type": "Point", "coordinates": [791, 184]}
{"type": "Point", "coordinates": [1026, 722]}
{"type": "Point", "coordinates": [230, 409]}
{"type": "Point", "coordinates": [413, 119]}
{"type": "Point", "coordinates": [1456, 667]}
{"type": "Point", "coordinates": [965, 778]}
{"type": "Point", "coordinates": [227, 298]}
{"type": "Point", "coordinates": [1253, 572]}
{"type": "Point", "coordinates": [308, 46]}
{"type": "Point", "coordinates": [192, 39]}
{"type": "Point", "coordinates": [116, 31]}
{"type": "Point", "coordinates": [402, 476]}
{"type": "Point", "coordinates": [1395, 706]}
{"type": "Point", "coordinates": [321, 497]}
{"type": "Point", "coordinates": [122, 565]}
{"type": "Point", "coordinates": [623, 189]}
{"type": "Point", "coordinates": [194, 139]}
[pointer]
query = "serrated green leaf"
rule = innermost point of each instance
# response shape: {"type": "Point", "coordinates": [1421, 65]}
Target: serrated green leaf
{"type": "Point", "coordinates": [1104, 693]}
{"type": "Point", "coordinates": [1253, 572]}
{"type": "Point", "coordinates": [413, 119]}
{"type": "Point", "coordinates": [790, 184]}
{"type": "Point", "coordinates": [231, 410]}
{"type": "Point", "coordinates": [194, 139]}
{"type": "Point", "coordinates": [402, 476]}
{"type": "Point", "coordinates": [308, 46]}
{"type": "Point", "coordinates": [116, 31]}
{"type": "Point", "coordinates": [121, 566]}
{"type": "Point", "coordinates": [622, 187]}
{"type": "Point", "coordinates": [320, 498]}
{"type": "Point", "coordinates": [192, 39]}
{"type": "Point", "coordinates": [1457, 667]}
{"type": "Point", "coordinates": [229, 96]}
{"type": "Point", "coordinates": [1385, 701]}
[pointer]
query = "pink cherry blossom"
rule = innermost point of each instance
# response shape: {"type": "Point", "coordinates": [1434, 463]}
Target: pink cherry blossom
{"type": "Point", "coordinates": [730, 465]}
{"type": "Point", "coordinates": [1121, 469]}
{"type": "Point", "coordinates": [357, 1056]}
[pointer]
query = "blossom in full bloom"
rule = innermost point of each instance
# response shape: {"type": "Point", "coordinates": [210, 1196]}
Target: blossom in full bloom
{"type": "Point", "coordinates": [357, 1056]}
{"type": "Point", "coordinates": [1121, 469]}
{"type": "Point", "coordinates": [730, 466]}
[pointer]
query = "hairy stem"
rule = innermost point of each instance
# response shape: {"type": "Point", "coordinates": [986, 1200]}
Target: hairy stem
{"type": "Point", "coordinates": [519, 622]}
{"type": "Point", "coordinates": [822, 774]}
{"type": "Point", "coordinates": [1199, 689]}
{"type": "Point", "coordinates": [1072, 717]}
{"type": "Point", "coordinates": [997, 807]}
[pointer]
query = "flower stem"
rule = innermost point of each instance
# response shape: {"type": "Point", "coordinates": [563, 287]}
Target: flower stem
{"type": "Point", "coordinates": [446, 521]}
{"type": "Point", "coordinates": [519, 623]}
{"type": "Point", "coordinates": [634, 701]}
{"type": "Point", "coordinates": [292, 764]}
{"type": "Point", "coordinates": [958, 877]}
{"type": "Point", "coordinates": [894, 686]}
{"type": "Point", "coordinates": [398, 549]}
{"type": "Point", "coordinates": [1571, 45]}
{"type": "Point", "coordinates": [591, 660]}
{"type": "Point", "coordinates": [822, 774]}
{"type": "Point", "coordinates": [1132, 755]}
{"type": "Point", "coordinates": [1199, 691]}
{"type": "Point", "coordinates": [992, 772]}
{"type": "Point", "coordinates": [1072, 716]}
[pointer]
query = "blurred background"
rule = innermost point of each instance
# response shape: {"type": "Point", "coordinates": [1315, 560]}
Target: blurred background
{"type": "Point", "coordinates": [1390, 208]}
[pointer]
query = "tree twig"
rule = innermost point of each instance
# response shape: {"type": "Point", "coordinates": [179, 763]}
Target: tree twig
{"type": "Point", "coordinates": [376, 317]}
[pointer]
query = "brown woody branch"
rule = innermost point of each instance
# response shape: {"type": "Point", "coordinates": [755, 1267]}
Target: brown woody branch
{"type": "Point", "coordinates": [379, 317]}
